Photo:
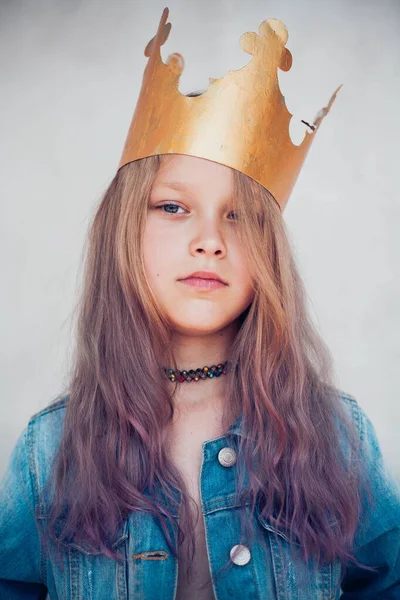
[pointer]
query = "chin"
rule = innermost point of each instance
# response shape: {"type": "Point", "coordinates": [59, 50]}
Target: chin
{"type": "Point", "coordinates": [201, 324]}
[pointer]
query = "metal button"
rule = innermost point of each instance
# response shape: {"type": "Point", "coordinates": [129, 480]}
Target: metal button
{"type": "Point", "coordinates": [227, 457]}
{"type": "Point", "coordinates": [242, 557]}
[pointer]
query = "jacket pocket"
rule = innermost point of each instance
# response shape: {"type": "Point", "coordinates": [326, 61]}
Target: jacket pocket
{"type": "Point", "coordinates": [86, 574]}
{"type": "Point", "coordinates": [295, 579]}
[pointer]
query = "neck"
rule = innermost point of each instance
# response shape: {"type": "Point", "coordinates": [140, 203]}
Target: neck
{"type": "Point", "coordinates": [193, 352]}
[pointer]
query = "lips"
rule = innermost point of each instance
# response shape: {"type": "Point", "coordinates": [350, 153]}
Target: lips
{"type": "Point", "coordinates": [205, 275]}
{"type": "Point", "coordinates": [204, 280]}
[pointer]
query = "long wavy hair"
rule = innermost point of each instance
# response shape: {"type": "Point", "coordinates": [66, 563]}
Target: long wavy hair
{"type": "Point", "coordinates": [112, 457]}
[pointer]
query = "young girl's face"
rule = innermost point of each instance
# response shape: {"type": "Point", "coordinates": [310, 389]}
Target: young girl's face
{"type": "Point", "coordinates": [191, 227]}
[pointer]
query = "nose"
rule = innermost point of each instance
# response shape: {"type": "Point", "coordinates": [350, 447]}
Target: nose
{"type": "Point", "coordinates": [208, 240]}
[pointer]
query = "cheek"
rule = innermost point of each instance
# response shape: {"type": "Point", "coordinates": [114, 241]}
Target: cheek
{"type": "Point", "coordinates": [152, 254]}
{"type": "Point", "coordinates": [158, 254]}
{"type": "Point", "coordinates": [243, 276]}
{"type": "Point", "coordinates": [247, 291]}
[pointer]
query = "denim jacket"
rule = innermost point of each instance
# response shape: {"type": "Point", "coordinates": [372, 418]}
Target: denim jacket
{"type": "Point", "coordinates": [27, 571]}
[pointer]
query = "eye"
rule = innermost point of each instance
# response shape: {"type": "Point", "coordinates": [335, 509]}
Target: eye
{"type": "Point", "coordinates": [169, 207]}
{"type": "Point", "coordinates": [235, 215]}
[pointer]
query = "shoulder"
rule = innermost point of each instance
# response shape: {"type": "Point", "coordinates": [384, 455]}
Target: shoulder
{"type": "Point", "coordinates": [349, 409]}
{"type": "Point", "coordinates": [369, 445]}
{"type": "Point", "coordinates": [348, 416]}
{"type": "Point", "coordinates": [41, 438]}
{"type": "Point", "coordinates": [44, 428]}
{"type": "Point", "coordinates": [56, 407]}
{"type": "Point", "coordinates": [359, 440]}
{"type": "Point", "coordinates": [382, 482]}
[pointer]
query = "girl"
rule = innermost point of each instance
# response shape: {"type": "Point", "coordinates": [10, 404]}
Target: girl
{"type": "Point", "coordinates": [201, 450]}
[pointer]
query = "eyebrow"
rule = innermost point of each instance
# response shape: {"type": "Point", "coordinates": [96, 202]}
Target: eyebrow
{"type": "Point", "coordinates": [179, 185]}
{"type": "Point", "coordinates": [176, 185]}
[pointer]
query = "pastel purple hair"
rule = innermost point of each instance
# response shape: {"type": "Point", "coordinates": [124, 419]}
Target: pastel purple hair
{"type": "Point", "coordinates": [112, 456]}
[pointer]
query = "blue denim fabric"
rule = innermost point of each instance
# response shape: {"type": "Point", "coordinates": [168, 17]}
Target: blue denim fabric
{"type": "Point", "coordinates": [26, 571]}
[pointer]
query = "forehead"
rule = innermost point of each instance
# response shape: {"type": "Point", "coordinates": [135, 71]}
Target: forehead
{"type": "Point", "coordinates": [180, 171]}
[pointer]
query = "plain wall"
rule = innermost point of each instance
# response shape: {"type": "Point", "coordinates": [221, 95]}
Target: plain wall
{"type": "Point", "coordinates": [70, 77]}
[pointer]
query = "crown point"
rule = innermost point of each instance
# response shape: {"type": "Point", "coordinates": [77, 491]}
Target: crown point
{"type": "Point", "coordinates": [277, 27]}
{"type": "Point", "coordinates": [286, 60]}
{"type": "Point", "coordinates": [165, 14]}
{"type": "Point", "coordinates": [176, 63]}
{"type": "Point", "coordinates": [266, 154]}
{"type": "Point", "coordinates": [248, 42]}
{"type": "Point", "coordinates": [161, 36]}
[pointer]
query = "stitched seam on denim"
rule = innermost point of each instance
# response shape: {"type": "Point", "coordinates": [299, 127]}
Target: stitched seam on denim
{"type": "Point", "coordinates": [356, 413]}
{"type": "Point", "coordinates": [347, 396]}
{"type": "Point", "coordinates": [351, 400]}
{"type": "Point", "coordinates": [215, 509]}
{"type": "Point", "coordinates": [65, 578]}
{"type": "Point", "coordinates": [176, 566]}
{"type": "Point", "coordinates": [277, 532]}
{"type": "Point", "coordinates": [226, 501]}
{"type": "Point", "coordinates": [121, 577]}
{"type": "Point", "coordinates": [277, 566]}
{"type": "Point", "coordinates": [360, 423]}
{"type": "Point", "coordinates": [255, 579]}
{"type": "Point", "coordinates": [33, 475]}
{"type": "Point", "coordinates": [206, 530]}
{"type": "Point", "coordinates": [330, 581]}
{"type": "Point", "coordinates": [49, 409]}
{"type": "Point", "coordinates": [356, 419]}
{"type": "Point", "coordinates": [326, 578]}
{"type": "Point", "coordinates": [74, 580]}
{"type": "Point", "coordinates": [219, 500]}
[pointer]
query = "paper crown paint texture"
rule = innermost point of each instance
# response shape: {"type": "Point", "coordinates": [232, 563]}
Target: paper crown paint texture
{"type": "Point", "coordinates": [240, 120]}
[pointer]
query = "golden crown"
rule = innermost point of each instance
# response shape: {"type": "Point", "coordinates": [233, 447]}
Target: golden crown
{"type": "Point", "coordinates": [240, 120]}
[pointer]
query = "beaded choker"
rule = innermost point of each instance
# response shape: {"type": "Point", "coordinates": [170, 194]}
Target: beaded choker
{"type": "Point", "coordinates": [196, 375]}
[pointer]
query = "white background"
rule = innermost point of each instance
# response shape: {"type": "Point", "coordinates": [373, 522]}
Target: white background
{"type": "Point", "coordinates": [70, 77]}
